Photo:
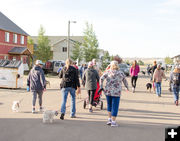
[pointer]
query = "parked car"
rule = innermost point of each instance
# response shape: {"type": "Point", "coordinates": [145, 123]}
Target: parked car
{"type": "Point", "coordinates": [124, 68]}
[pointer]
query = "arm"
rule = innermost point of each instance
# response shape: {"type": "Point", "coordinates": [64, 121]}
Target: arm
{"type": "Point", "coordinates": [42, 79]}
{"type": "Point", "coordinates": [97, 76]}
{"type": "Point", "coordinates": [28, 79]}
{"type": "Point", "coordinates": [103, 77]}
{"type": "Point", "coordinates": [84, 78]}
{"type": "Point", "coordinates": [125, 82]}
{"type": "Point", "coordinates": [61, 73]}
{"type": "Point", "coordinates": [138, 69]}
{"type": "Point", "coordinates": [77, 78]}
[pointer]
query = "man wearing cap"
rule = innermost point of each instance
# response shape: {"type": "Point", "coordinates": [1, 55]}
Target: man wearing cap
{"type": "Point", "coordinates": [37, 83]}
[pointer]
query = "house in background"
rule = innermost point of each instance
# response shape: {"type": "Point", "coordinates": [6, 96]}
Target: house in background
{"type": "Point", "coordinates": [13, 41]}
{"type": "Point", "coordinates": [59, 45]}
{"type": "Point", "coordinates": [176, 59]}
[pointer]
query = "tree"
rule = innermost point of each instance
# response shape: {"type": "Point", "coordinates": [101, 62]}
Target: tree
{"type": "Point", "coordinates": [90, 44]}
{"type": "Point", "coordinates": [77, 52]}
{"type": "Point", "coordinates": [140, 62]}
{"type": "Point", "coordinates": [30, 41]}
{"type": "Point", "coordinates": [43, 51]}
{"type": "Point", "coordinates": [105, 60]}
{"type": "Point", "coordinates": [168, 60]}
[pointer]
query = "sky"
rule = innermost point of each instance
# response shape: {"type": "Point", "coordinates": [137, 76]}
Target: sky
{"type": "Point", "coordinates": [129, 28]}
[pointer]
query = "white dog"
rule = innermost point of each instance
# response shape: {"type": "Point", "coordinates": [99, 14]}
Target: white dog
{"type": "Point", "coordinates": [48, 116]}
{"type": "Point", "coordinates": [15, 106]}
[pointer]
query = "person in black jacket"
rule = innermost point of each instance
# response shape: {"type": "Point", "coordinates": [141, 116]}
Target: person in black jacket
{"type": "Point", "coordinates": [69, 83]}
{"type": "Point", "coordinates": [36, 83]}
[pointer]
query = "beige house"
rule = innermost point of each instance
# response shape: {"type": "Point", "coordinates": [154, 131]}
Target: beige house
{"type": "Point", "coordinates": [176, 59]}
{"type": "Point", "coordinates": [59, 45]}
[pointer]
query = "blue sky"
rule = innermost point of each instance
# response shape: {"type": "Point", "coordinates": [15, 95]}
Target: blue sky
{"type": "Point", "coordinates": [129, 28]}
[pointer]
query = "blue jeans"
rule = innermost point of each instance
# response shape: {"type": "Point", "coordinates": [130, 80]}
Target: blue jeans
{"type": "Point", "coordinates": [176, 93]}
{"type": "Point", "coordinates": [113, 105]}
{"type": "Point", "coordinates": [65, 92]}
{"type": "Point", "coordinates": [158, 88]}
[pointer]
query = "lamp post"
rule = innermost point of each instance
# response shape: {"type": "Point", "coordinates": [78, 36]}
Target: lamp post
{"type": "Point", "coordinates": [68, 38]}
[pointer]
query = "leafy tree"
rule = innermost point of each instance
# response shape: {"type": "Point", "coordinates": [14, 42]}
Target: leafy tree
{"type": "Point", "coordinates": [30, 41]}
{"type": "Point", "coordinates": [168, 60]}
{"type": "Point", "coordinates": [77, 52]}
{"type": "Point", "coordinates": [90, 44]}
{"type": "Point", "coordinates": [43, 51]}
{"type": "Point", "coordinates": [140, 62]}
{"type": "Point", "coordinates": [105, 60]}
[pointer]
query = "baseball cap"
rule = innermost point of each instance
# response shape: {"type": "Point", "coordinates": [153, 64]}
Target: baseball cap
{"type": "Point", "coordinates": [39, 62]}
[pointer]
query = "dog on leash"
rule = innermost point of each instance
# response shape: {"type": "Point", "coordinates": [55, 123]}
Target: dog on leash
{"type": "Point", "coordinates": [143, 72]}
{"type": "Point", "coordinates": [48, 116]}
{"type": "Point", "coordinates": [16, 105]}
{"type": "Point", "coordinates": [48, 83]}
{"type": "Point", "coordinates": [149, 87]}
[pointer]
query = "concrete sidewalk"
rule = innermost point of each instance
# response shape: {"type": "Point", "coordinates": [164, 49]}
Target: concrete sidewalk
{"type": "Point", "coordinates": [142, 116]}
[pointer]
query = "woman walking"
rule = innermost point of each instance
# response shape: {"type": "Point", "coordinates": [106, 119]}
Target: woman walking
{"type": "Point", "coordinates": [134, 74]}
{"type": "Point", "coordinates": [90, 79]}
{"type": "Point", "coordinates": [175, 82]}
{"type": "Point", "coordinates": [157, 79]}
{"type": "Point", "coordinates": [114, 78]}
{"type": "Point", "coordinates": [69, 83]}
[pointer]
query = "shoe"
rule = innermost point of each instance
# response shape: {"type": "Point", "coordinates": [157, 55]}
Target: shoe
{"type": "Point", "coordinates": [109, 122]}
{"type": "Point", "coordinates": [90, 110]}
{"type": "Point", "coordinates": [41, 109]}
{"type": "Point", "coordinates": [33, 110]}
{"type": "Point", "coordinates": [62, 116]}
{"type": "Point", "coordinates": [176, 102]}
{"type": "Point", "coordinates": [114, 124]}
{"type": "Point", "coordinates": [133, 90]}
{"type": "Point", "coordinates": [73, 116]}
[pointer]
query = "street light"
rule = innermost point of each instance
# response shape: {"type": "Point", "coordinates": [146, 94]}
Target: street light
{"type": "Point", "coordinates": [68, 38]}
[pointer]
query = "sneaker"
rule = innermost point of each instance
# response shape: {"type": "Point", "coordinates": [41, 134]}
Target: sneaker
{"type": "Point", "coordinates": [33, 110]}
{"type": "Point", "coordinates": [73, 116]}
{"type": "Point", "coordinates": [109, 122]}
{"type": "Point", "coordinates": [176, 102]}
{"type": "Point", "coordinates": [90, 110]}
{"type": "Point", "coordinates": [41, 109]}
{"type": "Point", "coordinates": [133, 90]}
{"type": "Point", "coordinates": [62, 116]}
{"type": "Point", "coordinates": [114, 124]}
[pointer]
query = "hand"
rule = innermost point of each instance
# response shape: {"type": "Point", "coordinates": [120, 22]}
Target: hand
{"type": "Point", "coordinates": [44, 90]}
{"type": "Point", "coordinates": [28, 89]}
{"type": "Point", "coordinates": [101, 89]}
{"type": "Point", "coordinates": [78, 90]}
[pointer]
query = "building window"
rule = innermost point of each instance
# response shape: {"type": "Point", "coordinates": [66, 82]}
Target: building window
{"type": "Point", "coordinates": [64, 49]}
{"type": "Point", "coordinates": [22, 39]}
{"type": "Point", "coordinates": [6, 36]}
{"type": "Point", "coordinates": [15, 38]}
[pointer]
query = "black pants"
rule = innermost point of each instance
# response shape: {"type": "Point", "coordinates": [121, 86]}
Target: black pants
{"type": "Point", "coordinates": [133, 81]}
{"type": "Point", "coordinates": [91, 94]}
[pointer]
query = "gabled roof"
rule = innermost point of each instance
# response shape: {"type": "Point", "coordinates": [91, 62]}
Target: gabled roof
{"type": "Point", "coordinates": [176, 56]}
{"type": "Point", "coordinates": [8, 25]}
{"type": "Point", "coordinates": [20, 51]}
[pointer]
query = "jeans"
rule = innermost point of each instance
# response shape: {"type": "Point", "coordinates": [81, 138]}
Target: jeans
{"type": "Point", "coordinates": [133, 81]}
{"type": "Point", "coordinates": [65, 92]}
{"type": "Point", "coordinates": [113, 105]}
{"type": "Point", "coordinates": [158, 88]}
{"type": "Point", "coordinates": [176, 93]}
{"type": "Point", "coordinates": [40, 93]}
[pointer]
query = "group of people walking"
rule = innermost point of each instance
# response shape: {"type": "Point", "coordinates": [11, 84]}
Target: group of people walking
{"type": "Point", "coordinates": [91, 78]}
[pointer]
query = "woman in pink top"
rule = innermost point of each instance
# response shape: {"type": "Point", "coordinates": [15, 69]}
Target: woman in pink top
{"type": "Point", "coordinates": [134, 74]}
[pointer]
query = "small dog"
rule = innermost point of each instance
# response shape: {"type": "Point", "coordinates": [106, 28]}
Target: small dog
{"type": "Point", "coordinates": [149, 87]}
{"type": "Point", "coordinates": [48, 83]}
{"type": "Point", "coordinates": [48, 116]}
{"type": "Point", "coordinates": [16, 105]}
{"type": "Point", "coordinates": [143, 72]}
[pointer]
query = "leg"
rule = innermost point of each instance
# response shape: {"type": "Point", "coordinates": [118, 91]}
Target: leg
{"type": "Point", "coordinates": [92, 92]}
{"type": "Point", "coordinates": [109, 105]}
{"type": "Point", "coordinates": [115, 107]}
{"type": "Point", "coordinates": [73, 101]}
{"type": "Point", "coordinates": [64, 99]}
{"type": "Point", "coordinates": [40, 93]}
{"type": "Point", "coordinates": [34, 99]}
{"type": "Point", "coordinates": [132, 79]}
{"type": "Point", "coordinates": [135, 79]}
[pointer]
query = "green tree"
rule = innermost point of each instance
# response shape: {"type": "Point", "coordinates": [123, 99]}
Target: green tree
{"type": "Point", "coordinates": [168, 60]}
{"type": "Point", "coordinates": [30, 41]}
{"type": "Point", "coordinates": [77, 52]}
{"type": "Point", "coordinates": [90, 44]}
{"type": "Point", "coordinates": [43, 51]}
{"type": "Point", "coordinates": [105, 60]}
{"type": "Point", "coordinates": [140, 62]}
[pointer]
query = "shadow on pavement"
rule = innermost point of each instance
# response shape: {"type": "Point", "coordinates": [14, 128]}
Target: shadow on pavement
{"type": "Point", "coordinates": [77, 130]}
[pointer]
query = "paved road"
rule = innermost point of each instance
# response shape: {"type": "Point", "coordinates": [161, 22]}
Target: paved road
{"type": "Point", "coordinates": [142, 117]}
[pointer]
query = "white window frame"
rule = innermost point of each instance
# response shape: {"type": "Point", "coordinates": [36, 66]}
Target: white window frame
{"type": "Point", "coordinates": [22, 39]}
{"type": "Point", "coordinates": [15, 38]}
{"type": "Point", "coordinates": [6, 36]}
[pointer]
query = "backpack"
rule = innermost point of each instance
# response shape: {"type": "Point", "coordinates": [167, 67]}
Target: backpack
{"type": "Point", "coordinates": [68, 75]}
{"type": "Point", "coordinates": [176, 78]}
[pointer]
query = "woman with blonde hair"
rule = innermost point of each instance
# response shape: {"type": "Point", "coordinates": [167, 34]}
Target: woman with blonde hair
{"type": "Point", "coordinates": [69, 83]}
{"type": "Point", "coordinates": [175, 82]}
{"type": "Point", "coordinates": [134, 74]}
{"type": "Point", "coordinates": [114, 78]}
